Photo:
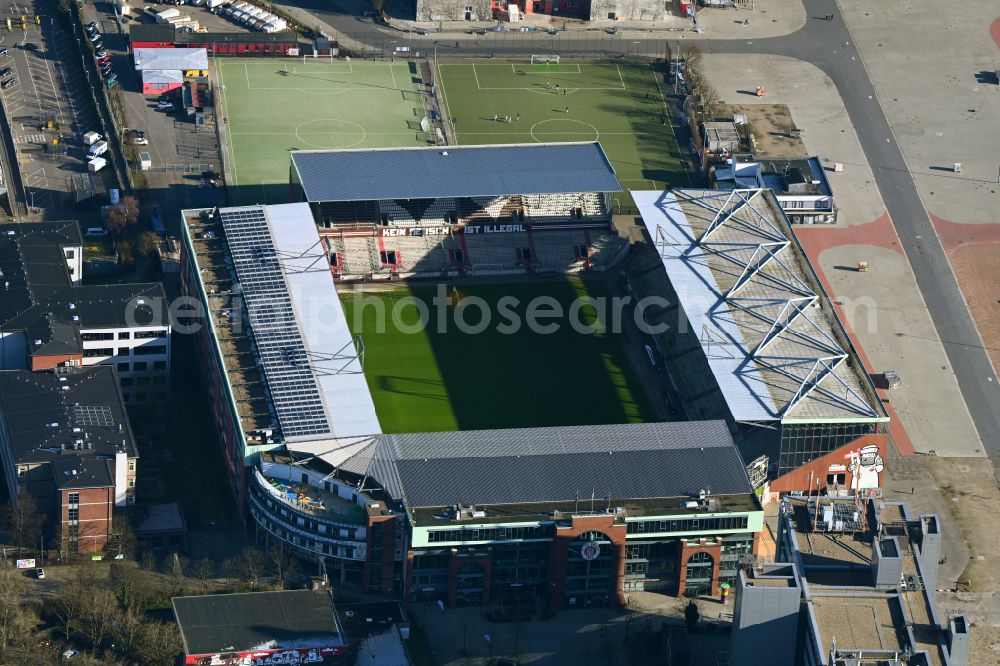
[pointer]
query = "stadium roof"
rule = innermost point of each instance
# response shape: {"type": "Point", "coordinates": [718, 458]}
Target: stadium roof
{"type": "Point", "coordinates": [283, 620]}
{"type": "Point", "coordinates": [772, 339]}
{"type": "Point", "coordinates": [453, 171]}
{"type": "Point", "coordinates": [530, 465]}
{"type": "Point", "coordinates": [311, 365]}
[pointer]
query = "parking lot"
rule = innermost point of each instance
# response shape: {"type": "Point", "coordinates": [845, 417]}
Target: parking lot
{"type": "Point", "coordinates": [50, 87]}
{"type": "Point", "coordinates": [179, 149]}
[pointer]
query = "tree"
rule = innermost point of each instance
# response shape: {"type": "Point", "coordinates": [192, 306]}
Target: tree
{"type": "Point", "coordinates": [22, 520]}
{"type": "Point", "coordinates": [16, 621]}
{"type": "Point", "coordinates": [691, 615]}
{"type": "Point", "coordinates": [119, 219]}
{"type": "Point", "coordinates": [98, 615]}
{"type": "Point", "coordinates": [231, 569]}
{"type": "Point", "coordinates": [203, 570]}
{"type": "Point", "coordinates": [131, 206]}
{"type": "Point", "coordinates": [124, 251]}
{"type": "Point", "coordinates": [158, 644]}
{"type": "Point", "coordinates": [176, 585]}
{"type": "Point", "coordinates": [252, 565]}
{"type": "Point", "coordinates": [282, 561]}
{"type": "Point", "coordinates": [148, 561]}
{"type": "Point", "coordinates": [127, 631]}
{"type": "Point", "coordinates": [69, 605]}
{"type": "Point", "coordinates": [147, 243]}
{"type": "Point", "coordinates": [122, 537]}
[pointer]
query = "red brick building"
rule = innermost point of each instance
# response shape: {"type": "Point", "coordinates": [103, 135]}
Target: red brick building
{"type": "Point", "coordinates": [285, 42]}
{"type": "Point", "coordinates": [65, 438]}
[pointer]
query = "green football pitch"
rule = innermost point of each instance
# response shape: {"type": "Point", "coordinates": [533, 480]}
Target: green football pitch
{"type": "Point", "coordinates": [441, 378]}
{"type": "Point", "coordinates": [274, 106]}
{"type": "Point", "coordinates": [619, 104]}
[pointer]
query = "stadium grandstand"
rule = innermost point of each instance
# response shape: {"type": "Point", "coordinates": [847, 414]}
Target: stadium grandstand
{"type": "Point", "coordinates": [477, 210]}
{"type": "Point", "coordinates": [759, 342]}
{"type": "Point", "coordinates": [405, 513]}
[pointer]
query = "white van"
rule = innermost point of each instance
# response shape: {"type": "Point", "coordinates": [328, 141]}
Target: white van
{"type": "Point", "coordinates": [98, 149]}
{"type": "Point", "coordinates": [90, 138]}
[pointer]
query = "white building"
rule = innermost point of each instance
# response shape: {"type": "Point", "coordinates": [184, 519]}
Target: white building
{"type": "Point", "coordinates": [48, 319]}
{"type": "Point", "coordinates": [799, 183]}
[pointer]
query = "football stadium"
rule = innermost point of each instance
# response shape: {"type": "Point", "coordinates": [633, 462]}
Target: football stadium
{"type": "Point", "coordinates": [418, 383]}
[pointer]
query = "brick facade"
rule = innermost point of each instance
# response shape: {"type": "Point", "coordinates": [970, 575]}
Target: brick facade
{"type": "Point", "coordinates": [559, 551]}
{"type": "Point", "coordinates": [381, 577]}
{"type": "Point", "coordinates": [688, 549]}
{"type": "Point", "coordinates": [96, 507]}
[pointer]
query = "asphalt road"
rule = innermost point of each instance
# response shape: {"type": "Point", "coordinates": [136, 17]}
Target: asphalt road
{"type": "Point", "coordinates": [828, 45]}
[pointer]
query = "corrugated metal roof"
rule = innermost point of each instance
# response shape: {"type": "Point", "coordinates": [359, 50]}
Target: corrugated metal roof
{"type": "Point", "coordinates": [454, 171]}
{"type": "Point", "coordinates": [524, 465]}
{"type": "Point", "coordinates": [170, 58]}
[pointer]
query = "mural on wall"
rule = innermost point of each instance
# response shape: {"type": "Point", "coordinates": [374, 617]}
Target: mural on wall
{"type": "Point", "coordinates": [866, 464]}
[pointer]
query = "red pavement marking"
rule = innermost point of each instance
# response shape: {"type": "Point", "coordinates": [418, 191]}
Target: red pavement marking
{"type": "Point", "coordinates": [816, 238]}
{"type": "Point", "coordinates": [880, 233]}
{"type": "Point", "coordinates": [995, 32]}
{"type": "Point", "coordinates": [954, 235]}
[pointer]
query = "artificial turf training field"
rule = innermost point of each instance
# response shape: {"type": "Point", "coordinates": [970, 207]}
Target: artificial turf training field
{"type": "Point", "coordinates": [274, 106]}
{"type": "Point", "coordinates": [619, 104]}
{"type": "Point", "coordinates": [444, 379]}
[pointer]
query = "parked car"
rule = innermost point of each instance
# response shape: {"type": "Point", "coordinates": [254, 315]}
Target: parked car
{"type": "Point", "coordinates": [95, 37]}
{"type": "Point", "coordinates": [93, 25]}
{"type": "Point", "coordinates": [4, 53]}
{"type": "Point", "coordinates": [101, 53]}
{"type": "Point", "coordinates": [164, 105]}
{"type": "Point", "coordinates": [104, 60]}
{"type": "Point", "coordinates": [7, 84]}
{"type": "Point", "coordinates": [95, 232]}
{"type": "Point", "coordinates": [98, 45]}
{"type": "Point", "coordinates": [31, 47]}
{"type": "Point", "coordinates": [5, 71]}
{"type": "Point", "coordinates": [107, 71]}
{"type": "Point", "coordinates": [40, 573]}
{"type": "Point", "coordinates": [138, 137]}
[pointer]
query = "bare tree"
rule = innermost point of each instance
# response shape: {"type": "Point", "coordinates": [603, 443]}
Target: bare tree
{"type": "Point", "coordinates": [203, 570]}
{"type": "Point", "coordinates": [127, 631]}
{"type": "Point", "coordinates": [252, 567]}
{"type": "Point", "coordinates": [282, 561]}
{"type": "Point", "coordinates": [22, 520]}
{"type": "Point", "coordinates": [16, 620]}
{"type": "Point", "coordinates": [176, 585]}
{"type": "Point", "coordinates": [69, 605]}
{"type": "Point", "coordinates": [148, 561]}
{"type": "Point", "coordinates": [98, 615]}
{"type": "Point", "coordinates": [231, 569]}
{"type": "Point", "coordinates": [159, 644]}
{"type": "Point", "coordinates": [122, 537]}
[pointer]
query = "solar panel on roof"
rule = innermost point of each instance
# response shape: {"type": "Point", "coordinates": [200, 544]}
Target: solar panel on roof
{"type": "Point", "coordinates": [280, 348]}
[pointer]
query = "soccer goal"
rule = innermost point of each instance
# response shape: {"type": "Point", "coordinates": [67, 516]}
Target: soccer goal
{"type": "Point", "coordinates": [543, 62]}
{"type": "Point", "coordinates": [318, 58]}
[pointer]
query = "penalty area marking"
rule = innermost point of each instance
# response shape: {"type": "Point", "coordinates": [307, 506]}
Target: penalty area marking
{"type": "Point", "coordinates": [597, 134]}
